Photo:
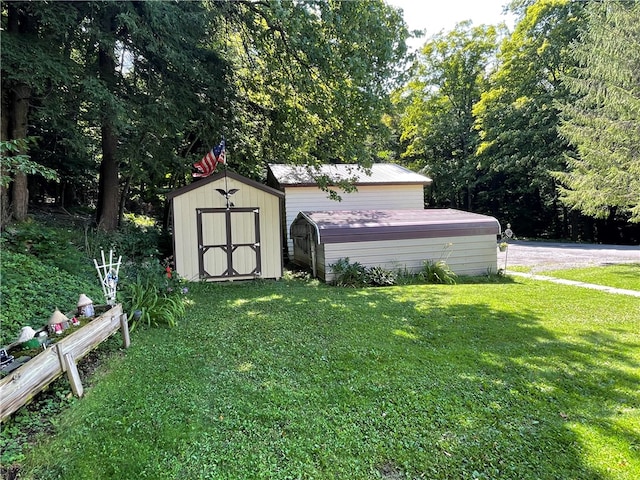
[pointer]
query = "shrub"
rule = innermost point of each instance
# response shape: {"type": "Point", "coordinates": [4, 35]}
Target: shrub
{"type": "Point", "coordinates": [155, 297]}
{"type": "Point", "coordinates": [349, 274]}
{"type": "Point", "coordinates": [437, 272]}
{"type": "Point", "coordinates": [381, 277]}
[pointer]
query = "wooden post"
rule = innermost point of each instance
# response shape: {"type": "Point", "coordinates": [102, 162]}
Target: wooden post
{"type": "Point", "coordinates": [124, 330]}
{"type": "Point", "coordinates": [68, 364]}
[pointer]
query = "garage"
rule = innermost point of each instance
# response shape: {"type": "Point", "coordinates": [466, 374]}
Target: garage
{"type": "Point", "coordinates": [395, 239]}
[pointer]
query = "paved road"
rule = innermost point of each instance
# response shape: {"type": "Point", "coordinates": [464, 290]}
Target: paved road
{"type": "Point", "coordinates": [549, 256]}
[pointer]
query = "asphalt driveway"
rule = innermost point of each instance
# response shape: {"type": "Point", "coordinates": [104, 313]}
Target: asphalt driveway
{"type": "Point", "coordinates": [543, 256]}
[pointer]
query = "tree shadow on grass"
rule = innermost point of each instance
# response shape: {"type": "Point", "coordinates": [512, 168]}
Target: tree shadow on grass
{"type": "Point", "coordinates": [454, 390]}
{"type": "Point", "coordinates": [527, 402]}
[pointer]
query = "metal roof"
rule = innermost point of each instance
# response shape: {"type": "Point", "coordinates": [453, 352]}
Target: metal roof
{"type": "Point", "coordinates": [221, 174]}
{"type": "Point", "coordinates": [378, 174]}
{"type": "Point", "coordinates": [339, 226]}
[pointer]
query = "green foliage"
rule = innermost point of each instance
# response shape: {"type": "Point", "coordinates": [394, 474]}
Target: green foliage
{"type": "Point", "coordinates": [153, 294]}
{"type": "Point", "coordinates": [381, 277]}
{"type": "Point", "coordinates": [56, 246]}
{"type": "Point", "coordinates": [31, 290]}
{"type": "Point", "coordinates": [437, 272]}
{"type": "Point", "coordinates": [348, 274]}
{"type": "Point", "coordinates": [517, 119]}
{"type": "Point", "coordinates": [16, 160]}
{"type": "Point", "coordinates": [436, 110]}
{"type": "Point", "coordinates": [149, 304]}
{"type": "Point", "coordinates": [137, 241]}
{"type": "Point", "coordinates": [603, 123]}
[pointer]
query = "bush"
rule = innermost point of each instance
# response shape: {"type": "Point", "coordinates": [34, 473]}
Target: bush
{"type": "Point", "coordinates": [437, 272]}
{"type": "Point", "coordinates": [380, 277]}
{"type": "Point", "coordinates": [349, 274]}
{"type": "Point", "coordinates": [156, 296]}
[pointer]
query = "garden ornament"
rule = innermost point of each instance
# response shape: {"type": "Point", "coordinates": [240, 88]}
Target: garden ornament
{"type": "Point", "coordinates": [26, 334]}
{"type": "Point", "coordinates": [58, 322]}
{"type": "Point", "coordinates": [85, 306]}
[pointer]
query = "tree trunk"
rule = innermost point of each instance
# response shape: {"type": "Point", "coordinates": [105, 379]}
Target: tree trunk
{"type": "Point", "coordinates": [107, 208]}
{"type": "Point", "coordinates": [20, 94]}
{"type": "Point", "coordinates": [4, 136]}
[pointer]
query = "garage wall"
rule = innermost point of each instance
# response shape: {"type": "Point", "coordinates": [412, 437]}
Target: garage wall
{"type": "Point", "coordinates": [465, 255]}
{"type": "Point", "coordinates": [388, 197]}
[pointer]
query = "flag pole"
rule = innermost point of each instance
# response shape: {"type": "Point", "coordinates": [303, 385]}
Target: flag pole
{"type": "Point", "coordinates": [226, 188]}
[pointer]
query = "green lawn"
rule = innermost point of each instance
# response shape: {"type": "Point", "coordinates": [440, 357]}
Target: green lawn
{"type": "Point", "coordinates": [278, 380]}
{"type": "Point", "coordinates": [625, 276]}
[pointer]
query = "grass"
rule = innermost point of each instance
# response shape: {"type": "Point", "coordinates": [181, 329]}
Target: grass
{"type": "Point", "coordinates": [626, 276]}
{"type": "Point", "coordinates": [293, 379]}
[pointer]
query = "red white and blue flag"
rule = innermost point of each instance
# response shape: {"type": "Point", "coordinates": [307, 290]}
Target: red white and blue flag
{"type": "Point", "coordinates": [208, 164]}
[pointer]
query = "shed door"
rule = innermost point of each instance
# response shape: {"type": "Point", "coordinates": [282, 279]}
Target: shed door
{"type": "Point", "coordinates": [228, 242]}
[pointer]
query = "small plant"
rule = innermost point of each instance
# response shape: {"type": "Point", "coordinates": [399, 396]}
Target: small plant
{"type": "Point", "coordinates": [437, 272]}
{"type": "Point", "coordinates": [381, 277]}
{"type": "Point", "coordinates": [349, 274]}
{"type": "Point", "coordinates": [156, 295]}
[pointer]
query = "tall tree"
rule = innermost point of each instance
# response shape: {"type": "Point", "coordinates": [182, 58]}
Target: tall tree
{"type": "Point", "coordinates": [437, 119]}
{"type": "Point", "coordinates": [31, 66]}
{"type": "Point", "coordinates": [517, 119]}
{"type": "Point", "coordinates": [604, 122]}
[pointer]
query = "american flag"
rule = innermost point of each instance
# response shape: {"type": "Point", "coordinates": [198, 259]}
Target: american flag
{"type": "Point", "coordinates": [208, 164]}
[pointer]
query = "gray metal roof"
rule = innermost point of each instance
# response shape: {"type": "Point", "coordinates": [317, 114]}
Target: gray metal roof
{"type": "Point", "coordinates": [379, 174]}
{"type": "Point", "coordinates": [339, 226]}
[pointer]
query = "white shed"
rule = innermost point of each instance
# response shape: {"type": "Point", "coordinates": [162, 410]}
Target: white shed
{"type": "Point", "coordinates": [227, 227]}
{"type": "Point", "coordinates": [384, 186]}
{"type": "Point", "coordinates": [396, 239]}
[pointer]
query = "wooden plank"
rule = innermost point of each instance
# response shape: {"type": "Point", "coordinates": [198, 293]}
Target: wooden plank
{"type": "Point", "coordinates": [17, 388]}
{"type": "Point", "coordinates": [73, 375]}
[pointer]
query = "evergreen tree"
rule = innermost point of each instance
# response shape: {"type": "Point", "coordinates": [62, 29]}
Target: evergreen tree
{"type": "Point", "coordinates": [604, 123]}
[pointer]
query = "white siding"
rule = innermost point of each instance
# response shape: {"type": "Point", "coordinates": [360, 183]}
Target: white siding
{"type": "Point", "coordinates": [367, 197]}
{"type": "Point", "coordinates": [467, 255]}
{"type": "Point", "coordinates": [185, 233]}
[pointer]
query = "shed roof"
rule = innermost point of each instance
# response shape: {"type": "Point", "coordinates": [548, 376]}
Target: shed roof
{"type": "Point", "coordinates": [379, 174]}
{"type": "Point", "coordinates": [218, 176]}
{"type": "Point", "coordinates": [341, 226]}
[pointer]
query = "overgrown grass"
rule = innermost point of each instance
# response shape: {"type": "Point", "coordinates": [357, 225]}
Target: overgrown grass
{"type": "Point", "coordinates": [625, 276]}
{"type": "Point", "coordinates": [294, 379]}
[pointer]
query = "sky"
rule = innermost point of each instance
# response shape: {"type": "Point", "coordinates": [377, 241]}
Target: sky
{"type": "Point", "coordinates": [437, 15]}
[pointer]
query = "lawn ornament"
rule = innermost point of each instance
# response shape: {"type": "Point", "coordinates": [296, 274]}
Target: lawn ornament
{"type": "Point", "coordinates": [85, 306]}
{"type": "Point", "coordinates": [26, 334]}
{"type": "Point", "coordinates": [5, 358]}
{"type": "Point", "coordinates": [58, 322]}
{"type": "Point", "coordinates": [108, 273]}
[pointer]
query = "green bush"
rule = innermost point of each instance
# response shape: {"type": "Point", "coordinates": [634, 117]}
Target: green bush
{"type": "Point", "coordinates": [437, 272]}
{"type": "Point", "coordinates": [349, 274]}
{"type": "Point", "coordinates": [156, 296]}
{"type": "Point", "coordinates": [136, 240]}
{"type": "Point", "coordinates": [381, 277]}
